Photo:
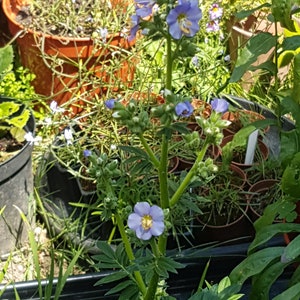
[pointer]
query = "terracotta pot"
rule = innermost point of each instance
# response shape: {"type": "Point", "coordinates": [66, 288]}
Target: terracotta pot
{"type": "Point", "coordinates": [229, 231]}
{"type": "Point", "coordinates": [261, 146]}
{"type": "Point", "coordinates": [258, 192]}
{"type": "Point", "coordinates": [201, 108]}
{"type": "Point", "coordinates": [66, 82]}
{"type": "Point", "coordinates": [236, 119]}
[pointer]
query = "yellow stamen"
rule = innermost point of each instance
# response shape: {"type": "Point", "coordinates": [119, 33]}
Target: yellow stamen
{"type": "Point", "coordinates": [147, 222]}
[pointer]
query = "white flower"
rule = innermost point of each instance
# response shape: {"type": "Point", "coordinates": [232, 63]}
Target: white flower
{"type": "Point", "coordinates": [68, 136]}
{"type": "Point", "coordinates": [113, 147]}
{"type": "Point", "coordinates": [31, 139]}
{"type": "Point", "coordinates": [55, 108]}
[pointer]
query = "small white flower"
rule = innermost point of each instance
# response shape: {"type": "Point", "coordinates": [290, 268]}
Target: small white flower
{"type": "Point", "coordinates": [55, 108]}
{"type": "Point", "coordinates": [68, 136]}
{"type": "Point", "coordinates": [103, 34]}
{"type": "Point", "coordinates": [31, 139]}
{"type": "Point", "coordinates": [113, 147]}
{"type": "Point", "coordinates": [227, 58]}
{"type": "Point", "coordinates": [48, 121]}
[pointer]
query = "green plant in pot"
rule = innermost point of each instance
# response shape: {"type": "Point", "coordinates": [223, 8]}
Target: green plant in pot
{"type": "Point", "coordinates": [17, 127]}
{"type": "Point", "coordinates": [87, 55]}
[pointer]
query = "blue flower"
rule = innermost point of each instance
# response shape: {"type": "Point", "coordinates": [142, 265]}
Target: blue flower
{"type": "Point", "coordinates": [135, 26]}
{"type": "Point", "coordinates": [219, 105]}
{"type": "Point", "coordinates": [184, 109]}
{"type": "Point", "coordinates": [184, 19]}
{"type": "Point", "coordinates": [144, 8]}
{"type": "Point", "coordinates": [110, 103]}
{"type": "Point", "coordinates": [87, 153]}
{"type": "Point", "coordinates": [146, 221]}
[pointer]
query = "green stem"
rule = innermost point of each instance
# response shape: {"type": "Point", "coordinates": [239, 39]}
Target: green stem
{"type": "Point", "coordinates": [169, 63]}
{"type": "Point", "coordinates": [152, 287]}
{"type": "Point", "coordinates": [149, 151]}
{"type": "Point", "coordinates": [189, 176]}
{"type": "Point", "coordinates": [129, 252]}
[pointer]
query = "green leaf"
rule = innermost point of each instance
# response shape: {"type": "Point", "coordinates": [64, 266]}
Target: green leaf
{"type": "Point", "coordinates": [292, 293]}
{"type": "Point", "coordinates": [18, 134]}
{"type": "Point", "coordinates": [254, 264]}
{"type": "Point", "coordinates": [292, 250]}
{"type": "Point", "coordinates": [259, 44]}
{"type": "Point", "coordinates": [119, 287]}
{"type": "Point", "coordinates": [112, 277]}
{"type": "Point", "coordinates": [246, 13]}
{"type": "Point", "coordinates": [21, 120]}
{"type": "Point", "coordinates": [291, 43]}
{"type": "Point", "coordinates": [6, 57]}
{"type": "Point", "coordinates": [268, 232]}
{"type": "Point", "coordinates": [106, 249]}
{"type": "Point", "coordinates": [7, 109]}
{"type": "Point", "coordinates": [261, 286]}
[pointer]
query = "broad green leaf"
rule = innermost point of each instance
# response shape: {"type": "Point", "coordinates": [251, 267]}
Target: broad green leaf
{"type": "Point", "coordinates": [292, 250]}
{"type": "Point", "coordinates": [267, 65]}
{"type": "Point", "coordinates": [8, 108]}
{"type": "Point", "coordinates": [259, 44]}
{"type": "Point", "coordinates": [261, 286]}
{"type": "Point", "coordinates": [6, 57]}
{"type": "Point", "coordinates": [292, 293]}
{"type": "Point", "coordinates": [246, 13]}
{"type": "Point", "coordinates": [18, 134]}
{"type": "Point", "coordinates": [285, 58]}
{"type": "Point", "coordinates": [291, 43]}
{"type": "Point", "coordinates": [254, 264]}
{"type": "Point", "coordinates": [268, 232]}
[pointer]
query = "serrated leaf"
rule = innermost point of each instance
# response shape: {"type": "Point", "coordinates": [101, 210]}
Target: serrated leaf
{"type": "Point", "coordinates": [21, 120]}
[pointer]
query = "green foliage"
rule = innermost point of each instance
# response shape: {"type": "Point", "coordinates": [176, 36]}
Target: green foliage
{"type": "Point", "coordinates": [224, 290]}
{"type": "Point", "coordinates": [6, 59]}
{"type": "Point", "coordinates": [13, 118]}
{"type": "Point", "coordinates": [265, 264]}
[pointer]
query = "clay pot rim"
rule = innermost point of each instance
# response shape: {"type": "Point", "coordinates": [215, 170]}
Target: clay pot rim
{"type": "Point", "coordinates": [11, 11]}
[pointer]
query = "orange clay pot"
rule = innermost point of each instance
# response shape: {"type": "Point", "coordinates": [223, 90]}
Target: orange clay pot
{"type": "Point", "coordinates": [65, 82]}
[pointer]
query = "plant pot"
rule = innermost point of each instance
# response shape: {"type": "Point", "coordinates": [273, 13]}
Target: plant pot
{"type": "Point", "coordinates": [65, 82]}
{"type": "Point", "coordinates": [221, 228]}
{"type": "Point", "coordinates": [67, 207]}
{"type": "Point", "coordinates": [261, 153]}
{"type": "Point", "coordinates": [16, 192]}
{"type": "Point", "coordinates": [236, 118]}
{"type": "Point", "coordinates": [261, 194]}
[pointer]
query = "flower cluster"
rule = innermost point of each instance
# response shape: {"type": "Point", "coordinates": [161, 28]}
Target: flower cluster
{"type": "Point", "coordinates": [215, 14]}
{"type": "Point", "coordinates": [181, 20]}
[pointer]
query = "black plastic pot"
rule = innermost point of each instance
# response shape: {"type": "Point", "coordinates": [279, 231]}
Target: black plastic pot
{"type": "Point", "coordinates": [222, 261]}
{"type": "Point", "coordinates": [16, 190]}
